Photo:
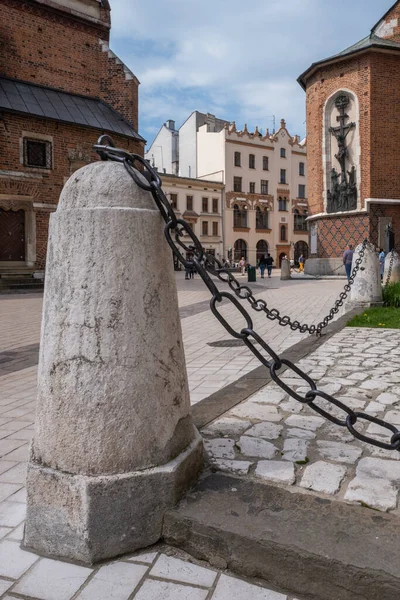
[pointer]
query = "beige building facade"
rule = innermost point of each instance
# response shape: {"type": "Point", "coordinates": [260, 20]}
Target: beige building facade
{"type": "Point", "coordinates": [265, 178]}
{"type": "Point", "coordinates": [200, 203]}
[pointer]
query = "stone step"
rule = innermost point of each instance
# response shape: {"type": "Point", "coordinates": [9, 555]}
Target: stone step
{"type": "Point", "coordinates": [307, 545]}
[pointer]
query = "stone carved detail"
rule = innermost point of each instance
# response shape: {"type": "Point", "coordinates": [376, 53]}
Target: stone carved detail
{"type": "Point", "coordinates": [342, 195]}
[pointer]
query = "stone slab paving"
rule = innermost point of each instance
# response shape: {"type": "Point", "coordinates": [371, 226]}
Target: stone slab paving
{"type": "Point", "coordinates": [273, 437]}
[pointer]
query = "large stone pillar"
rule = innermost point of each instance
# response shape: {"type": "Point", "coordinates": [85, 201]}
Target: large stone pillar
{"type": "Point", "coordinates": [285, 269]}
{"type": "Point", "coordinates": [395, 272]}
{"type": "Point", "coordinates": [114, 444]}
{"type": "Point", "coordinates": [367, 287]}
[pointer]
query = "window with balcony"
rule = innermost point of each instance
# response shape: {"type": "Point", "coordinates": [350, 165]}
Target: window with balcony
{"type": "Point", "coordinates": [282, 204]}
{"type": "Point", "coordinates": [237, 184]}
{"type": "Point", "coordinates": [215, 228]}
{"type": "Point", "coordinates": [189, 203]}
{"type": "Point", "coordinates": [173, 198]}
{"type": "Point", "coordinates": [262, 220]}
{"type": "Point", "coordinates": [302, 191]}
{"type": "Point", "coordinates": [265, 163]}
{"type": "Point", "coordinates": [252, 161]}
{"type": "Point", "coordinates": [283, 176]}
{"type": "Point", "coordinates": [252, 187]}
{"type": "Point", "coordinates": [301, 169]}
{"type": "Point", "coordinates": [264, 186]}
{"type": "Point", "coordinates": [215, 205]}
{"type": "Point", "coordinates": [237, 159]}
{"type": "Point", "coordinates": [204, 228]}
{"type": "Point", "coordinates": [239, 216]}
{"type": "Point", "coordinates": [204, 205]}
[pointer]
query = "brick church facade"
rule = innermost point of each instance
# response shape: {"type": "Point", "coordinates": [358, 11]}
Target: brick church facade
{"type": "Point", "coordinates": [61, 87]}
{"type": "Point", "coordinates": [358, 89]}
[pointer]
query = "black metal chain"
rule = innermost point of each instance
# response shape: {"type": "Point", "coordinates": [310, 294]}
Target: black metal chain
{"type": "Point", "coordinates": [175, 229]}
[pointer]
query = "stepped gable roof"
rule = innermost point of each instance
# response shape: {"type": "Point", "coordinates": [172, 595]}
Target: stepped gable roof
{"type": "Point", "coordinates": [385, 15]}
{"type": "Point", "coordinates": [370, 41]}
{"type": "Point", "coordinates": [49, 103]}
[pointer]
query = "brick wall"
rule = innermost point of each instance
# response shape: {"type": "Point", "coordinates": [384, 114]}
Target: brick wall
{"type": "Point", "coordinates": [387, 29]}
{"type": "Point", "coordinates": [335, 233]}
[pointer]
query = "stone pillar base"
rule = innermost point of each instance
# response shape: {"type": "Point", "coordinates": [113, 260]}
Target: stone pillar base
{"type": "Point", "coordinates": [324, 266]}
{"type": "Point", "coordinates": [88, 519]}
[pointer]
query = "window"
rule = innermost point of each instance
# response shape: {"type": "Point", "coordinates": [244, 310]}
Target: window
{"type": "Point", "coordinates": [283, 153]}
{"type": "Point", "coordinates": [37, 153]}
{"type": "Point", "coordinates": [283, 233]}
{"type": "Point", "coordinates": [262, 218]}
{"type": "Point", "coordinates": [252, 161]}
{"type": "Point", "coordinates": [215, 205]}
{"type": "Point", "coordinates": [252, 189]}
{"type": "Point", "coordinates": [239, 216]}
{"type": "Point", "coordinates": [173, 198]}
{"type": "Point", "coordinates": [204, 228]}
{"type": "Point", "coordinates": [189, 202]}
{"type": "Point", "coordinates": [283, 176]}
{"type": "Point", "coordinates": [282, 204]}
{"type": "Point", "coordinates": [302, 191]}
{"type": "Point", "coordinates": [300, 223]}
{"type": "Point", "coordinates": [264, 186]}
{"type": "Point", "coordinates": [265, 163]}
{"type": "Point", "coordinates": [237, 184]}
{"type": "Point", "coordinates": [215, 228]}
{"type": "Point", "coordinates": [237, 159]}
{"type": "Point", "coordinates": [204, 205]}
{"type": "Point", "coordinates": [301, 169]}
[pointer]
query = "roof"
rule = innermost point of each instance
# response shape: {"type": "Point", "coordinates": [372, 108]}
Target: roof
{"type": "Point", "coordinates": [39, 101]}
{"type": "Point", "coordinates": [385, 15]}
{"type": "Point", "coordinates": [370, 41]}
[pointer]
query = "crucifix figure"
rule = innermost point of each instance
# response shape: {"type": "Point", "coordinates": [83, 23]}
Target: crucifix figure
{"type": "Point", "coordinates": [343, 196]}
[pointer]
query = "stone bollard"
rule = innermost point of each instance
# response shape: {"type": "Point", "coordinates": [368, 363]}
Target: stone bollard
{"type": "Point", "coordinates": [285, 269]}
{"type": "Point", "coordinates": [367, 288]}
{"type": "Point", "coordinates": [114, 445]}
{"type": "Point", "coordinates": [395, 272]}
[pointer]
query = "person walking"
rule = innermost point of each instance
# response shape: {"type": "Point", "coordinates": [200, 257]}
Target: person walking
{"type": "Point", "coordinates": [269, 262]}
{"type": "Point", "coordinates": [242, 266]}
{"type": "Point", "coordinates": [382, 257]}
{"type": "Point", "coordinates": [301, 264]}
{"type": "Point", "coordinates": [348, 259]}
{"type": "Point", "coordinates": [262, 265]}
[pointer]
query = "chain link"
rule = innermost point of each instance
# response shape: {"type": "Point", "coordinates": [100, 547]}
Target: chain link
{"type": "Point", "coordinates": [205, 264]}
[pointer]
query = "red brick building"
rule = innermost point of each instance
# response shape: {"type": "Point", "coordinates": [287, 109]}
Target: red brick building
{"type": "Point", "coordinates": [61, 87]}
{"type": "Point", "coordinates": [358, 89]}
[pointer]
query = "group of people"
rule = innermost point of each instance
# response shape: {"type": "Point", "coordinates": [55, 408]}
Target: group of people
{"type": "Point", "coordinates": [348, 260]}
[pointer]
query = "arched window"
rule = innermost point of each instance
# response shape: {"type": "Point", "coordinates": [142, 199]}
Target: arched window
{"type": "Point", "coordinates": [239, 216]}
{"type": "Point", "coordinates": [282, 204]}
{"type": "Point", "coordinates": [262, 218]}
{"type": "Point", "coordinates": [261, 249]}
{"type": "Point", "coordinates": [283, 233]}
{"type": "Point", "coordinates": [240, 250]}
{"type": "Point", "coordinates": [300, 248]}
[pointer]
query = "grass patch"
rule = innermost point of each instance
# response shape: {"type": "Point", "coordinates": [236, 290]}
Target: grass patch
{"type": "Point", "coordinates": [391, 294]}
{"type": "Point", "coordinates": [379, 317]}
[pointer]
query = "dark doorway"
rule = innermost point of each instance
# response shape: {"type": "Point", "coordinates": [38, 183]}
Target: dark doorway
{"type": "Point", "coordinates": [300, 248]}
{"type": "Point", "coordinates": [12, 235]}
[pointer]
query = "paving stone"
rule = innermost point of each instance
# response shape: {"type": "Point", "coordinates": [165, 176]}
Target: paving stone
{"type": "Point", "coordinates": [277, 471]}
{"type": "Point", "coordinates": [220, 447]}
{"type": "Point", "coordinates": [4, 585]}
{"type": "Point", "coordinates": [11, 513]}
{"type": "Point", "coordinates": [339, 452]}
{"type": "Point", "coordinates": [16, 474]}
{"type": "Point", "coordinates": [17, 533]}
{"type": "Point", "coordinates": [393, 416]}
{"type": "Point", "coordinates": [14, 561]}
{"type": "Point", "coordinates": [230, 588]}
{"type": "Point", "coordinates": [375, 384]}
{"type": "Point", "coordinates": [168, 567]}
{"type": "Point", "coordinates": [374, 408]}
{"type": "Point", "coordinates": [113, 582]}
{"type": "Point", "coordinates": [52, 580]}
{"type": "Point", "coordinates": [305, 422]}
{"type": "Point", "coordinates": [268, 396]}
{"type": "Point", "coordinates": [226, 426]}
{"type": "Point", "coordinates": [382, 453]}
{"type": "Point", "coordinates": [301, 434]}
{"type": "Point", "coordinates": [258, 412]}
{"type": "Point", "coordinates": [377, 493]}
{"type": "Point", "coordinates": [240, 467]}
{"type": "Point", "coordinates": [387, 398]}
{"type": "Point", "coordinates": [295, 450]}
{"type": "Point", "coordinates": [164, 590]}
{"type": "Point", "coordinates": [377, 430]}
{"type": "Point", "coordinates": [251, 446]}
{"type": "Point", "coordinates": [292, 406]}
{"type": "Point", "coordinates": [5, 465]}
{"type": "Point", "coordinates": [266, 430]}
{"type": "Point", "coordinates": [358, 376]}
{"type": "Point", "coordinates": [7, 489]}
{"type": "Point", "coordinates": [145, 557]}
{"type": "Point", "coordinates": [323, 477]}
{"type": "Point", "coordinates": [4, 531]}
{"type": "Point", "coordinates": [351, 402]}
{"type": "Point", "coordinates": [379, 468]}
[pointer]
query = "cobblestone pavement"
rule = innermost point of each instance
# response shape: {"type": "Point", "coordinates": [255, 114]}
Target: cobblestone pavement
{"type": "Point", "coordinates": [275, 438]}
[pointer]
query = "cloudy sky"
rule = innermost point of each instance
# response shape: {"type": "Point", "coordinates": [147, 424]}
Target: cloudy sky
{"type": "Point", "coordinates": [238, 60]}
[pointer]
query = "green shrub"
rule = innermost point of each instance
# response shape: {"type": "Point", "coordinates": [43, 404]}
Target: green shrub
{"type": "Point", "coordinates": [391, 294]}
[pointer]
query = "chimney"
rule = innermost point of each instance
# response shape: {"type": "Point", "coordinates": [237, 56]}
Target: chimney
{"type": "Point", "coordinates": [170, 124]}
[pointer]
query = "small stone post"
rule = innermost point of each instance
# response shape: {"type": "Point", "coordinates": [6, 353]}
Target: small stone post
{"type": "Point", "coordinates": [367, 288]}
{"type": "Point", "coordinates": [395, 273]}
{"type": "Point", "coordinates": [285, 269]}
{"type": "Point", "coordinates": [114, 445]}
